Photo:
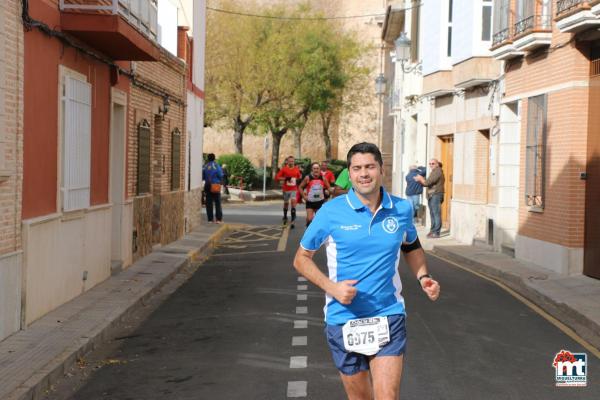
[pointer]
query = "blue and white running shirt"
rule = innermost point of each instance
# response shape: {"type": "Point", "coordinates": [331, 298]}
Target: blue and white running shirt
{"type": "Point", "coordinates": [364, 247]}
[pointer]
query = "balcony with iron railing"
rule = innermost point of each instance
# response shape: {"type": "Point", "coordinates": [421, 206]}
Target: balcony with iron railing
{"type": "Point", "coordinates": [577, 15]}
{"type": "Point", "coordinates": [533, 31]}
{"type": "Point", "coordinates": [122, 29]}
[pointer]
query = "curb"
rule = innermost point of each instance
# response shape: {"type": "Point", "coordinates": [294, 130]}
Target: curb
{"type": "Point", "coordinates": [36, 385]}
{"type": "Point", "coordinates": [583, 326]}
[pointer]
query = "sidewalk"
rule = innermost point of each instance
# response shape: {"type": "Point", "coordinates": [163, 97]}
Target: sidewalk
{"type": "Point", "coordinates": [572, 300]}
{"type": "Point", "coordinates": [31, 360]}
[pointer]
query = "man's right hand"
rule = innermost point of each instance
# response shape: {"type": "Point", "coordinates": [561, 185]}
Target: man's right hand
{"type": "Point", "coordinates": [344, 291]}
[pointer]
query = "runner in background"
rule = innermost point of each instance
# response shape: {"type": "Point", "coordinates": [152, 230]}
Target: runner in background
{"type": "Point", "coordinates": [288, 177]}
{"type": "Point", "coordinates": [314, 196]}
{"type": "Point", "coordinates": [327, 176]}
{"type": "Point", "coordinates": [342, 184]}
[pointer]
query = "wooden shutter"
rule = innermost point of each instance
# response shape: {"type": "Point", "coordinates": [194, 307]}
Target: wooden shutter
{"type": "Point", "coordinates": [76, 151]}
{"type": "Point", "coordinates": [535, 149]}
{"type": "Point", "coordinates": [143, 172]}
{"type": "Point", "coordinates": [175, 159]}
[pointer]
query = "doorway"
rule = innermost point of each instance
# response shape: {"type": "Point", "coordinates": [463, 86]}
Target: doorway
{"type": "Point", "coordinates": [117, 184]}
{"type": "Point", "coordinates": [447, 160]}
{"type": "Point", "coordinates": [591, 250]}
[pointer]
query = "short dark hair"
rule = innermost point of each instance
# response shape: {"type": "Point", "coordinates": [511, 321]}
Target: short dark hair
{"type": "Point", "coordinates": [363, 148]}
{"type": "Point", "coordinates": [210, 157]}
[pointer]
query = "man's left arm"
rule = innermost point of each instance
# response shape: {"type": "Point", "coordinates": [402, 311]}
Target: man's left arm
{"type": "Point", "coordinates": [415, 258]}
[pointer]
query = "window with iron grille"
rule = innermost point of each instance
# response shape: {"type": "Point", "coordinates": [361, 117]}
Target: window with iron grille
{"type": "Point", "coordinates": [175, 159]}
{"type": "Point", "coordinates": [143, 170]}
{"type": "Point", "coordinates": [535, 169]}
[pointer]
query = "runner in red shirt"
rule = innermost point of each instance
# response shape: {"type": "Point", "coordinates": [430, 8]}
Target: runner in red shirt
{"type": "Point", "coordinates": [328, 176]}
{"type": "Point", "coordinates": [288, 177]}
{"type": "Point", "coordinates": [314, 196]}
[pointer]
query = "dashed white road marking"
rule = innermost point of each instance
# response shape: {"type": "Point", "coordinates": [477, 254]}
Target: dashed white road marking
{"type": "Point", "coordinates": [302, 287]}
{"type": "Point", "coordinates": [300, 324]}
{"type": "Point", "coordinates": [298, 361]}
{"type": "Point", "coordinates": [297, 389]}
{"type": "Point", "coordinates": [299, 340]}
{"type": "Point", "coordinates": [302, 297]}
{"type": "Point", "coordinates": [301, 279]}
{"type": "Point", "coordinates": [301, 310]}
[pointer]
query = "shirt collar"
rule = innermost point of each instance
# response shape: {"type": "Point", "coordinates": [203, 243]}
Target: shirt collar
{"type": "Point", "coordinates": [356, 204]}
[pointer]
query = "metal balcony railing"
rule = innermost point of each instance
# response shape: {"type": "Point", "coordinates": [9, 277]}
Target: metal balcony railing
{"type": "Point", "coordinates": [500, 36]}
{"type": "Point", "coordinates": [534, 22]}
{"type": "Point", "coordinates": [564, 6]}
{"type": "Point", "coordinates": [143, 14]}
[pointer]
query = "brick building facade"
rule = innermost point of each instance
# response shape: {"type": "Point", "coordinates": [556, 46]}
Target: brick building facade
{"type": "Point", "coordinates": [158, 208]}
{"type": "Point", "coordinates": [11, 165]}
{"type": "Point", "coordinates": [549, 50]}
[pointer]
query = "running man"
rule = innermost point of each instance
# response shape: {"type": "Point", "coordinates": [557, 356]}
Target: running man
{"type": "Point", "coordinates": [327, 176]}
{"type": "Point", "coordinates": [342, 183]}
{"type": "Point", "coordinates": [364, 232]}
{"type": "Point", "coordinates": [315, 185]}
{"type": "Point", "coordinates": [288, 177]}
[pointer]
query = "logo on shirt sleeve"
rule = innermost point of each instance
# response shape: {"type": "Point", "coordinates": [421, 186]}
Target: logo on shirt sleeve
{"type": "Point", "coordinates": [390, 225]}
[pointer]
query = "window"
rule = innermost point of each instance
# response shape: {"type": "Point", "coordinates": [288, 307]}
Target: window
{"type": "Point", "coordinates": [501, 16]}
{"type": "Point", "coordinates": [535, 169]}
{"type": "Point", "coordinates": [486, 21]}
{"type": "Point", "coordinates": [175, 159]}
{"type": "Point", "coordinates": [143, 170]}
{"type": "Point", "coordinates": [76, 143]}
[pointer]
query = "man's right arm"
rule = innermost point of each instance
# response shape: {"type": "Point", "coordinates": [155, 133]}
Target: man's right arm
{"type": "Point", "coordinates": [344, 291]}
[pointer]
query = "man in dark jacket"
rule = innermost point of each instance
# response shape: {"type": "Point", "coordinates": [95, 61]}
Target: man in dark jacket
{"type": "Point", "coordinates": [435, 195]}
{"type": "Point", "coordinates": [212, 174]}
{"type": "Point", "coordinates": [414, 189]}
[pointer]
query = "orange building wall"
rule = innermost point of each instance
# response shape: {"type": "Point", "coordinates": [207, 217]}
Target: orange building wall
{"type": "Point", "coordinates": [43, 55]}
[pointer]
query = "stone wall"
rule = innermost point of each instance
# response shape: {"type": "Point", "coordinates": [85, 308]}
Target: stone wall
{"type": "Point", "coordinates": [142, 226]}
{"type": "Point", "coordinates": [193, 209]}
{"type": "Point", "coordinates": [171, 217]}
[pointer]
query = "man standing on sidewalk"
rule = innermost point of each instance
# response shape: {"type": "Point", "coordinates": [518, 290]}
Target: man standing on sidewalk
{"type": "Point", "coordinates": [414, 189]}
{"type": "Point", "coordinates": [364, 232]}
{"type": "Point", "coordinates": [435, 195]}
{"type": "Point", "coordinates": [288, 177]}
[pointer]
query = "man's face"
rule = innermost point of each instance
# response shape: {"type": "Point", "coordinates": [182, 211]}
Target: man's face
{"type": "Point", "coordinates": [290, 162]}
{"type": "Point", "coordinates": [323, 166]}
{"type": "Point", "coordinates": [316, 170]}
{"type": "Point", "coordinates": [433, 164]}
{"type": "Point", "coordinates": [365, 173]}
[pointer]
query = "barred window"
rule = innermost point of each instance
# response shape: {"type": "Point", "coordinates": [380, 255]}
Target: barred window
{"type": "Point", "coordinates": [175, 159]}
{"type": "Point", "coordinates": [535, 168]}
{"type": "Point", "coordinates": [143, 170]}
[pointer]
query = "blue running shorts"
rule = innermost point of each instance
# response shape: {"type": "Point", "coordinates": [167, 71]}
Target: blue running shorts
{"type": "Point", "coordinates": [352, 363]}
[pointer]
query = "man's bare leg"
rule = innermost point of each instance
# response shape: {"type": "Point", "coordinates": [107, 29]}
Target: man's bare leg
{"type": "Point", "coordinates": [358, 386]}
{"type": "Point", "coordinates": [386, 372]}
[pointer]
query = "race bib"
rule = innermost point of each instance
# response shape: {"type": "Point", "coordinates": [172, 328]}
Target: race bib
{"type": "Point", "coordinates": [366, 335]}
{"type": "Point", "coordinates": [292, 182]}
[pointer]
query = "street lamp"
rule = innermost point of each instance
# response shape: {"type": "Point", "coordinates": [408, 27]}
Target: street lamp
{"type": "Point", "coordinates": [380, 83]}
{"type": "Point", "coordinates": [402, 45]}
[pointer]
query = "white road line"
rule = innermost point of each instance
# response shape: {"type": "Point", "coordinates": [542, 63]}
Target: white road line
{"type": "Point", "coordinates": [298, 361]}
{"type": "Point", "coordinates": [299, 340]}
{"type": "Point", "coordinates": [300, 324]}
{"type": "Point", "coordinates": [301, 279]}
{"type": "Point", "coordinates": [302, 287]}
{"type": "Point", "coordinates": [301, 310]}
{"type": "Point", "coordinates": [301, 297]}
{"type": "Point", "coordinates": [297, 389]}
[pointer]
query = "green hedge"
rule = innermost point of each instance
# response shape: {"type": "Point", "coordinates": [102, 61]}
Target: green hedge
{"type": "Point", "coordinates": [238, 166]}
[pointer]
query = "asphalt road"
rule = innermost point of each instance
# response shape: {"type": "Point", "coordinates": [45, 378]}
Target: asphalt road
{"type": "Point", "coordinates": [245, 327]}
